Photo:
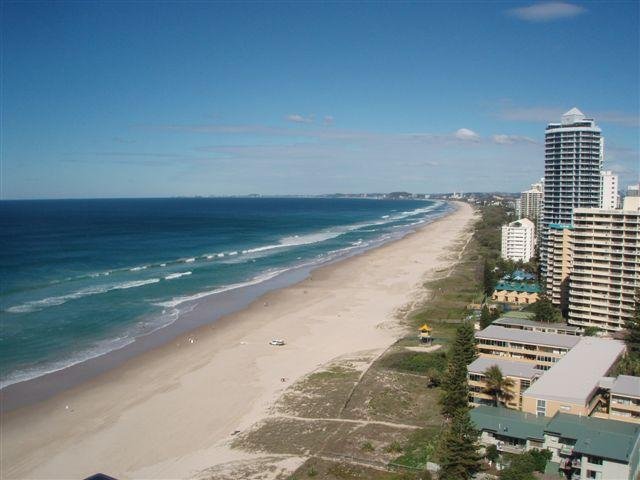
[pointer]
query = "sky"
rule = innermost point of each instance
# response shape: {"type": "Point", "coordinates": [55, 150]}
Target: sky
{"type": "Point", "coordinates": [154, 99]}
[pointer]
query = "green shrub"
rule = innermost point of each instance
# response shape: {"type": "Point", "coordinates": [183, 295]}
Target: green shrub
{"type": "Point", "coordinates": [368, 447]}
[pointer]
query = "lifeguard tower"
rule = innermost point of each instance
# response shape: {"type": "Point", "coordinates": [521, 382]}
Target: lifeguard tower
{"type": "Point", "coordinates": [425, 334]}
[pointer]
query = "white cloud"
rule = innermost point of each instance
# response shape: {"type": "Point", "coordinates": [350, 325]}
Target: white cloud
{"type": "Point", "coordinates": [547, 11]}
{"type": "Point", "coordinates": [297, 118]}
{"type": "Point", "coordinates": [502, 139]}
{"type": "Point", "coordinates": [467, 135]}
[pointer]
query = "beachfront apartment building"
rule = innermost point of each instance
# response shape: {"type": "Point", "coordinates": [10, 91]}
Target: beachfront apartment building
{"type": "Point", "coordinates": [573, 385]}
{"type": "Point", "coordinates": [609, 190]}
{"type": "Point", "coordinates": [553, 372]}
{"type": "Point", "coordinates": [623, 399]}
{"type": "Point", "coordinates": [572, 179]}
{"type": "Point", "coordinates": [581, 447]}
{"type": "Point", "coordinates": [542, 350]}
{"type": "Point", "coordinates": [605, 266]}
{"type": "Point", "coordinates": [558, 264]}
{"type": "Point", "coordinates": [518, 240]}
{"type": "Point", "coordinates": [530, 202]}
{"type": "Point", "coordinates": [522, 321]}
{"type": "Point", "coordinates": [522, 374]}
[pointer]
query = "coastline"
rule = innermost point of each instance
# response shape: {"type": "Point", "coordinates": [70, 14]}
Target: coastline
{"type": "Point", "coordinates": [166, 411]}
{"type": "Point", "coordinates": [204, 309]}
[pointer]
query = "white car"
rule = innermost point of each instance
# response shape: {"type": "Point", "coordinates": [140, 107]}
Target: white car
{"type": "Point", "coordinates": [278, 342]}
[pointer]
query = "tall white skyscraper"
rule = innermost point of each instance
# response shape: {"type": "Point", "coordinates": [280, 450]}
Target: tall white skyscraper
{"type": "Point", "coordinates": [573, 162]}
{"type": "Point", "coordinates": [609, 190]}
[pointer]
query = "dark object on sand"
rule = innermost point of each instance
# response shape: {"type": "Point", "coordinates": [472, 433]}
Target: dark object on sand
{"type": "Point", "coordinates": [100, 476]}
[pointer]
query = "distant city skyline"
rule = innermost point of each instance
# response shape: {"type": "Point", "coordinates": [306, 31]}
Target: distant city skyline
{"type": "Point", "coordinates": [117, 99]}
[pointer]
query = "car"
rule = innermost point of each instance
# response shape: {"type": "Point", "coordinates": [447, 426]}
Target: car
{"type": "Point", "coordinates": [278, 342]}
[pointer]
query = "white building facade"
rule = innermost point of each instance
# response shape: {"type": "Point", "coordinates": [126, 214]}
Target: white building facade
{"type": "Point", "coordinates": [609, 191]}
{"type": "Point", "coordinates": [605, 266]}
{"type": "Point", "coordinates": [531, 202]}
{"type": "Point", "coordinates": [518, 240]}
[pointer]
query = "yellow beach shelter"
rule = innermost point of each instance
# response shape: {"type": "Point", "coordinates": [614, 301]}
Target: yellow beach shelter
{"type": "Point", "coordinates": [425, 333]}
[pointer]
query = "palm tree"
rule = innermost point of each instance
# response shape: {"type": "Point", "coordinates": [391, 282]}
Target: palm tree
{"type": "Point", "coordinates": [497, 385]}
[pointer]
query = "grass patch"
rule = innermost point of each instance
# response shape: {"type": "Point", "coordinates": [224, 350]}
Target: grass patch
{"type": "Point", "coordinates": [415, 362]}
{"type": "Point", "coordinates": [419, 448]}
{"type": "Point", "coordinates": [330, 470]}
{"type": "Point", "coordinates": [453, 290]}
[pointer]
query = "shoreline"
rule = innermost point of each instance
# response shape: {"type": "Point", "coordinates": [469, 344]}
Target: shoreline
{"type": "Point", "coordinates": [203, 311]}
{"type": "Point", "coordinates": [164, 412]}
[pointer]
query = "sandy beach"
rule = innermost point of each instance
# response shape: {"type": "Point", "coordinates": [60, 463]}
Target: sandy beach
{"type": "Point", "coordinates": [170, 412]}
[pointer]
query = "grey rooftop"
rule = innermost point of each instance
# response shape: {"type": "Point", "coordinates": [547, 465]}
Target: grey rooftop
{"type": "Point", "coordinates": [507, 367]}
{"type": "Point", "coordinates": [578, 374]}
{"type": "Point", "coordinates": [626, 385]}
{"type": "Point", "coordinates": [495, 332]}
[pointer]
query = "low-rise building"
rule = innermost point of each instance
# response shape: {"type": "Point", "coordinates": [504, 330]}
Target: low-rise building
{"type": "Point", "coordinates": [554, 372]}
{"type": "Point", "coordinates": [593, 448]}
{"type": "Point", "coordinates": [523, 322]}
{"type": "Point", "coordinates": [572, 385]}
{"type": "Point", "coordinates": [516, 293]}
{"type": "Point", "coordinates": [522, 374]}
{"type": "Point", "coordinates": [621, 399]}
{"type": "Point", "coordinates": [581, 447]}
{"type": "Point", "coordinates": [543, 350]}
{"type": "Point", "coordinates": [509, 430]}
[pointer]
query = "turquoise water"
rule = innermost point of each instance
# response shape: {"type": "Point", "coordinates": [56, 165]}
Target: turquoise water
{"type": "Point", "coordinates": [83, 277]}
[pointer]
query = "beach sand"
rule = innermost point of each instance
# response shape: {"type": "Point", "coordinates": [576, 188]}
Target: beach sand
{"type": "Point", "coordinates": [170, 412]}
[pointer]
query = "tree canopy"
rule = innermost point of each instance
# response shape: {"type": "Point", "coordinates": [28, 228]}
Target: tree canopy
{"type": "Point", "coordinates": [545, 311]}
{"type": "Point", "coordinates": [458, 455]}
{"type": "Point", "coordinates": [498, 386]}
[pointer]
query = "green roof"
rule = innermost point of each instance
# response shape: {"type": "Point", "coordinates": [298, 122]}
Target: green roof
{"type": "Point", "coordinates": [510, 423]}
{"type": "Point", "coordinates": [610, 439]}
{"type": "Point", "coordinates": [599, 437]}
{"type": "Point", "coordinates": [518, 287]}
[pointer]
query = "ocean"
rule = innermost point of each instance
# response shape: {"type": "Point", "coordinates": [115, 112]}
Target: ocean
{"type": "Point", "coordinates": [80, 278]}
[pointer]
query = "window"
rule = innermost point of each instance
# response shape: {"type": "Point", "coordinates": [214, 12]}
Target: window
{"type": "Point", "coordinates": [594, 474]}
{"type": "Point", "coordinates": [541, 408]}
{"type": "Point", "coordinates": [594, 460]}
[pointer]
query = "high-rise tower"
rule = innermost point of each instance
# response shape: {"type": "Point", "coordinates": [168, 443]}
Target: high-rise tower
{"type": "Point", "coordinates": [572, 172]}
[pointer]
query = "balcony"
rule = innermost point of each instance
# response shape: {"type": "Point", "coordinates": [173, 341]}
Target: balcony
{"type": "Point", "coordinates": [566, 450]}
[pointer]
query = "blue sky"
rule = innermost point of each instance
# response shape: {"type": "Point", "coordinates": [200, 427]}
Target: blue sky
{"type": "Point", "coordinates": [111, 99]}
